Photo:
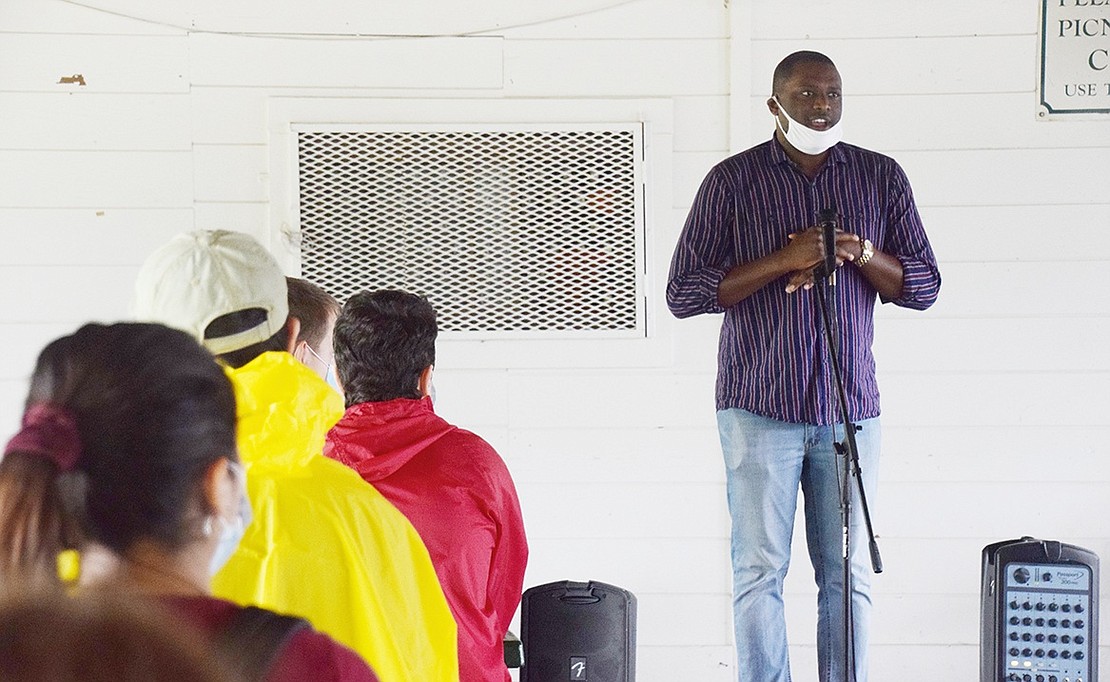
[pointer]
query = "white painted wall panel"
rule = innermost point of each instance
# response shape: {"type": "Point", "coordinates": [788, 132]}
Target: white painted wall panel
{"type": "Point", "coordinates": [974, 344]}
{"type": "Point", "coordinates": [369, 17]}
{"type": "Point", "coordinates": [415, 63]}
{"type": "Point", "coordinates": [701, 123]}
{"type": "Point", "coordinates": [606, 398]}
{"type": "Point", "coordinates": [54, 237]}
{"type": "Point", "coordinates": [603, 68]}
{"type": "Point", "coordinates": [59, 16]}
{"type": "Point", "coordinates": [800, 20]}
{"type": "Point", "coordinates": [108, 63]}
{"type": "Point", "coordinates": [48, 179]}
{"type": "Point", "coordinates": [231, 173]}
{"type": "Point", "coordinates": [643, 565]}
{"type": "Point", "coordinates": [702, 663]}
{"type": "Point", "coordinates": [971, 234]}
{"type": "Point", "coordinates": [13, 395]}
{"type": "Point", "coordinates": [633, 510]}
{"type": "Point", "coordinates": [698, 19]}
{"type": "Point", "coordinates": [1006, 177]}
{"type": "Point", "coordinates": [47, 295]}
{"type": "Point", "coordinates": [222, 115]}
{"type": "Point", "coordinates": [675, 455]}
{"type": "Point", "coordinates": [941, 65]}
{"type": "Point", "coordinates": [984, 453]}
{"type": "Point", "coordinates": [238, 216]}
{"type": "Point", "coordinates": [1000, 400]}
{"type": "Point", "coordinates": [689, 620]}
{"type": "Point", "coordinates": [79, 121]}
{"type": "Point", "coordinates": [26, 342]}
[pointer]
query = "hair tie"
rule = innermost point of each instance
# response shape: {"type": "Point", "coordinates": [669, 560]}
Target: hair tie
{"type": "Point", "coordinates": [49, 431]}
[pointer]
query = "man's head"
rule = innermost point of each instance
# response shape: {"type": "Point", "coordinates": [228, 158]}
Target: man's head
{"type": "Point", "coordinates": [221, 287]}
{"type": "Point", "coordinates": [807, 85]}
{"type": "Point", "coordinates": [317, 311]}
{"type": "Point", "coordinates": [385, 346]}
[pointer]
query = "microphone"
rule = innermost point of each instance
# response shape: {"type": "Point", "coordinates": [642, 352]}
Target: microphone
{"type": "Point", "coordinates": [827, 220]}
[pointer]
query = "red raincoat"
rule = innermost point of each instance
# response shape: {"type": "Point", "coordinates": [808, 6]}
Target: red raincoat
{"type": "Point", "coordinates": [455, 489]}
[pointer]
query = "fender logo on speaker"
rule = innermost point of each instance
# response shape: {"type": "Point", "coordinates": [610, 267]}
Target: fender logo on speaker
{"type": "Point", "coordinates": [578, 668]}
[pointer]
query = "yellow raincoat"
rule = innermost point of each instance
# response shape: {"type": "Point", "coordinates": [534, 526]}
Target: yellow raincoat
{"type": "Point", "coordinates": [324, 544]}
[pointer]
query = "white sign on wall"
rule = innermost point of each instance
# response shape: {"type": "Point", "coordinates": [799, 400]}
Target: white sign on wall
{"type": "Point", "coordinates": [1074, 58]}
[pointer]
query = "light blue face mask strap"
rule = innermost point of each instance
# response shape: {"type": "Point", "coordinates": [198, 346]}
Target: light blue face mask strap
{"type": "Point", "coordinates": [328, 374]}
{"type": "Point", "coordinates": [317, 355]}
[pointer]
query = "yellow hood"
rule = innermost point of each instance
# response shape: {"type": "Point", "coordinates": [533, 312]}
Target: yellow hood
{"type": "Point", "coordinates": [285, 410]}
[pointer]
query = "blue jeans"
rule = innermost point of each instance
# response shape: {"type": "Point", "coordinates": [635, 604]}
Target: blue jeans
{"type": "Point", "coordinates": [767, 460]}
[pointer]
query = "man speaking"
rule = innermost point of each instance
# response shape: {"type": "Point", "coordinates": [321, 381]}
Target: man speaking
{"type": "Point", "coordinates": [753, 249]}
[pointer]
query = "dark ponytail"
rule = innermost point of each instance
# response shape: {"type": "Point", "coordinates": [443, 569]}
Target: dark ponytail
{"type": "Point", "coordinates": [151, 411]}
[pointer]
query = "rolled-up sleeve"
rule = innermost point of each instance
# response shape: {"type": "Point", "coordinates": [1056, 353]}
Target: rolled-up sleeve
{"type": "Point", "coordinates": [907, 241]}
{"type": "Point", "coordinates": [701, 257]}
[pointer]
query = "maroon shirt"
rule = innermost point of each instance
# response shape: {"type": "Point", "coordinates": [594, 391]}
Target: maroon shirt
{"type": "Point", "coordinates": [309, 655]}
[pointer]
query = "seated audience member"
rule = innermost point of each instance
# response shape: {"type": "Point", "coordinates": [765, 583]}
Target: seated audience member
{"type": "Point", "coordinates": [324, 545]}
{"type": "Point", "coordinates": [127, 452]}
{"type": "Point", "coordinates": [450, 483]}
{"type": "Point", "coordinates": [52, 638]}
{"type": "Point", "coordinates": [316, 310]}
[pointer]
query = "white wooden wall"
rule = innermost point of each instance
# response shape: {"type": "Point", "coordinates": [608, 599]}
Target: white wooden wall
{"type": "Point", "coordinates": [995, 408]}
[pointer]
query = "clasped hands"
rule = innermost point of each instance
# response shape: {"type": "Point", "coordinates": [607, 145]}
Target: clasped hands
{"type": "Point", "coordinates": [806, 250]}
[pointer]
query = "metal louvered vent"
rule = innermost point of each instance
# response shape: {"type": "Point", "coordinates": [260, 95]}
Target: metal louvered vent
{"type": "Point", "coordinates": [507, 232]}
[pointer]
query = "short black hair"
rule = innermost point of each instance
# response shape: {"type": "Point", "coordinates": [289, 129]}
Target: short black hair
{"type": "Point", "coordinates": [383, 341]}
{"type": "Point", "coordinates": [787, 66]}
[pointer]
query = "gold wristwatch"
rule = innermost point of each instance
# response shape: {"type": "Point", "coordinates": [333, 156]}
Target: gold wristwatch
{"type": "Point", "coordinates": [867, 250]}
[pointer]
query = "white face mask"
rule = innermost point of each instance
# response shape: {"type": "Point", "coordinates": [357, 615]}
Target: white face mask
{"type": "Point", "coordinates": [231, 532]}
{"type": "Point", "coordinates": [807, 140]}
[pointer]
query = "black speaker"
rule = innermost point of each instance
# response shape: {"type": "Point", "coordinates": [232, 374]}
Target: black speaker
{"type": "Point", "coordinates": [578, 632]}
{"type": "Point", "coordinates": [1039, 613]}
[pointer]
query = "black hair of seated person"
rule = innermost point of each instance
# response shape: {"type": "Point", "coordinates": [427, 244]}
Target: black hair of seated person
{"type": "Point", "coordinates": [153, 412]}
{"type": "Point", "coordinates": [791, 62]}
{"type": "Point", "coordinates": [314, 307]}
{"type": "Point", "coordinates": [240, 321]}
{"type": "Point", "coordinates": [383, 341]}
{"type": "Point", "coordinates": [98, 638]}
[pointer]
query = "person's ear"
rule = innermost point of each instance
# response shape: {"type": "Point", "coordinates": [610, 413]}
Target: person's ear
{"type": "Point", "coordinates": [773, 106]}
{"type": "Point", "coordinates": [218, 490]}
{"type": "Point", "coordinates": [425, 383]}
{"type": "Point", "coordinates": [293, 328]}
{"type": "Point", "coordinates": [299, 351]}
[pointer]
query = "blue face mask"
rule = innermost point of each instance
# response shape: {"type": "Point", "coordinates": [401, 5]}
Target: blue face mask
{"type": "Point", "coordinates": [330, 374]}
{"type": "Point", "coordinates": [231, 532]}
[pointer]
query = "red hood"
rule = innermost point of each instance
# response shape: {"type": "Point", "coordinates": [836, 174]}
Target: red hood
{"type": "Point", "coordinates": [402, 428]}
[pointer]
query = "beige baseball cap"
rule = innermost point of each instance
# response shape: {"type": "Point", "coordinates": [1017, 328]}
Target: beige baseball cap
{"type": "Point", "coordinates": [201, 275]}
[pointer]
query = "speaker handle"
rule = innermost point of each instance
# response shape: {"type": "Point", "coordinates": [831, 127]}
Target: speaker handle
{"type": "Point", "coordinates": [579, 593]}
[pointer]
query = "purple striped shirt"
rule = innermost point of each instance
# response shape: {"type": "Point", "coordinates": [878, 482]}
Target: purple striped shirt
{"type": "Point", "coordinates": [772, 357]}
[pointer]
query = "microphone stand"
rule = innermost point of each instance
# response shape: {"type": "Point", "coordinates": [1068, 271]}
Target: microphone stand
{"type": "Point", "coordinates": [850, 452]}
